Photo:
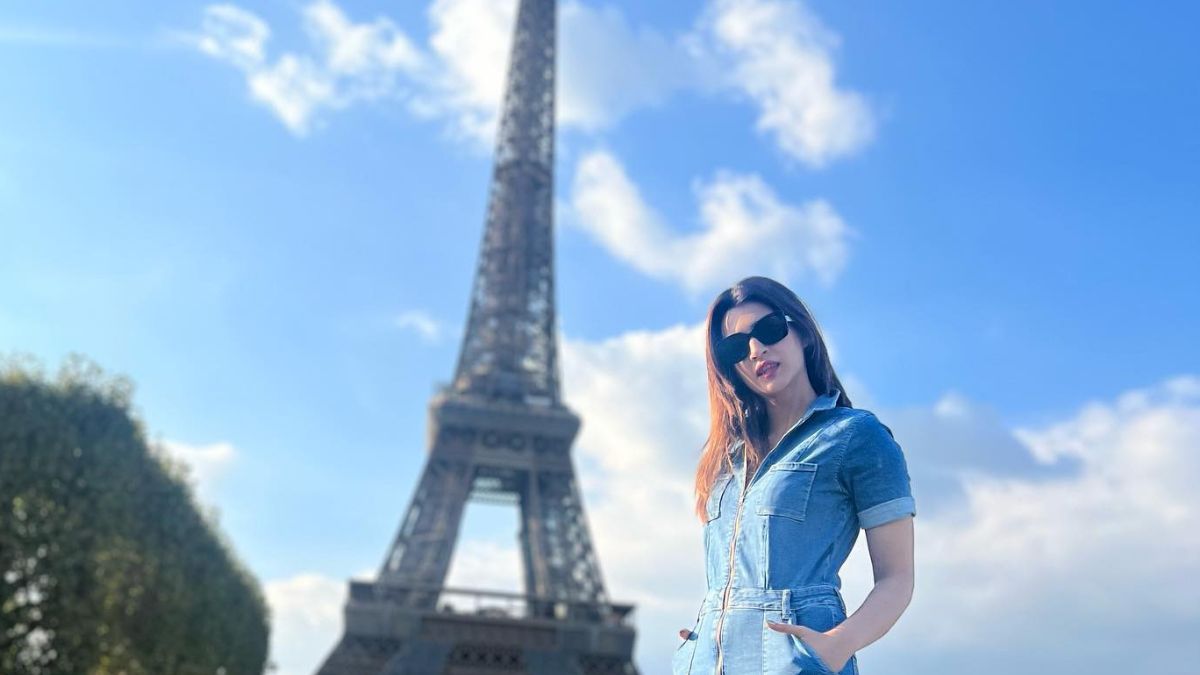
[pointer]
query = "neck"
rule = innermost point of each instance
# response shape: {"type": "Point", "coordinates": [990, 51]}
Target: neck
{"type": "Point", "coordinates": [785, 409]}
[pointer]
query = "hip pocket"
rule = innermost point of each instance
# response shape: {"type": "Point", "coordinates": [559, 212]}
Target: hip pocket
{"type": "Point", "coordinates": [819, 616]}
{"type": "Point", "coordinates": [681, 660]}
{"type": "Point", "coordinates": [807, 659]}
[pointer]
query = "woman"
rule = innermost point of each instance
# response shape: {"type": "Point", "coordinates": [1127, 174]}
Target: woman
{"type": "Point", "coordinates": [790, 472]}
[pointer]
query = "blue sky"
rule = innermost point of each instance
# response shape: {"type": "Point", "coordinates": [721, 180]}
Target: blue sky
{"type": "Point", "coordinates": [989, 208]}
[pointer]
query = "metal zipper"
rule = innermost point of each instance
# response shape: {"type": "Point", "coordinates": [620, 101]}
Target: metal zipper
{"type": "Point", "coordinates": [737, 521]}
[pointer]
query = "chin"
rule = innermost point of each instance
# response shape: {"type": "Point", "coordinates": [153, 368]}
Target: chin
{"type": "Point", "coordinates": [778, 384]}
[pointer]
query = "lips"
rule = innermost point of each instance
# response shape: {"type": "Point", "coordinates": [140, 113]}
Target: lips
{"type": "Point", "coordinates": [764, 366]}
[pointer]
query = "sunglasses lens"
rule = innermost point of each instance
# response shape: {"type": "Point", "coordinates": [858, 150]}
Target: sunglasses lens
{"type": "Point", "coordinates": [733, 348]}
{"type": "Point", "coordinates": [770, 329]}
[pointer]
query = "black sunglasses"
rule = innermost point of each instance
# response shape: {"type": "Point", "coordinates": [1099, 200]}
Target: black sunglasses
{"type": "Point", "coordinates": [768, 330]}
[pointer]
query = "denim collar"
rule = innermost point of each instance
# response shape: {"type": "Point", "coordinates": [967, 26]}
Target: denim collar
{"type": "Point", "coordinates": [821, 402]}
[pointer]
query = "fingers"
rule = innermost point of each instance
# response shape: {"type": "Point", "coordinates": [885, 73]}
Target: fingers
{"type": "Point", "coordinates": [685, 633]}
{"type": "Point", "coordinates": [785, 627]}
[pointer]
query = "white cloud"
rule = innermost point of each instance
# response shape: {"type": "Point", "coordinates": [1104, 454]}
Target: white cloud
{"type": "Point", "coordinates": [353, 61]}
{"type": "Point", "coordinates": [780, 55]}
{"type": "Point", "coordinates": [1062, 565]}
{"type": "Point", "coordinates": [952, 405]}
{"type": "Point", "coordinates": [607, 68]}
{"type": "Point", "coordinates": [488, 565]}
{"type": "Point", "coordinates": [610, 68]}
{"type": "Point", "coordinates": [747, 229]}
{"type": "Point", "coordinates": [306, 608]}
{"type": "Point", "coordinates": [295, 88]}
{"type": "Point", "coordinates": [420, 321]}
{"type": "Point", "coordinates": [306, 620]}
{"type": "Point", "coordinates": [647, 542]}
{"type": "Point", "coordinates": [205, 464]}
{"type": "Point", "coordinates": [234, 35]}
{"type": "Point", "coordinates": [774, 52]}
{"type": "Point", "coordinates": [470, 39]}
{"type": "Point", "coordinates": [359, 49]}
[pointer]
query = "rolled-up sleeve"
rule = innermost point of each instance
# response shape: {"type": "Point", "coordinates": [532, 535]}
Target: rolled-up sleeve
{"type": "Point", "coordinates": [874, 473]}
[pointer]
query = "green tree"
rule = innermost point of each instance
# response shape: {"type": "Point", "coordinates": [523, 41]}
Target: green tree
{"type": "Point", "coordinates": [106, 564]}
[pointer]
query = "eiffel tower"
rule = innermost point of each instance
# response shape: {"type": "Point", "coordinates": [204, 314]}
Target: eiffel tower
{"type": "Point", "coordinates": [499, 432]}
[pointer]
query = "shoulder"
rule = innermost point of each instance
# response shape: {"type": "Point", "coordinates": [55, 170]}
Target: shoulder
{"type": "Point", "coordinates": [852, 423]}
{"type": "Point", "coordinates": [865, 425]}
{"type": "Point", "coordinates": [863, 436]}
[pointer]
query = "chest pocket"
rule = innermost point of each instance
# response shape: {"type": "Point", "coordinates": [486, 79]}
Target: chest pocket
{"type": "Point", "coordinates": [713, 507]}
{"type": "Point", "coordinates": [786, 488]}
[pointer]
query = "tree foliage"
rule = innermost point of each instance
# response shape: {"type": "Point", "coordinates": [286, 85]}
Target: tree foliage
{"type": "Point", "coordinates": [106, 563]}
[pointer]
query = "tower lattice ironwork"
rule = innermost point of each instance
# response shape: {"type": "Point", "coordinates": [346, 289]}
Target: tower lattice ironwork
{"type": "Point", "coordinates": [499, 432]}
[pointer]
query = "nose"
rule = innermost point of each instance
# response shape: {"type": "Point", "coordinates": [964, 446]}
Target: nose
{"type": "Point", "coordinates": [757, 350]}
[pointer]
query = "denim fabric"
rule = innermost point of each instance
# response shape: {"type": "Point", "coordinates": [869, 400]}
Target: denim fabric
{"type": "Point", "coordinates": [835, 471]}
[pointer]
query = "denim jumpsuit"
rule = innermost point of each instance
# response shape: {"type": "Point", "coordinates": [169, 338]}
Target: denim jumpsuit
{"type": "Point", "coordinates": [773, 551]}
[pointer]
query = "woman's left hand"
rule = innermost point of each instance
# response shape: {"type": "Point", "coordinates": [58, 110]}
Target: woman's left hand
{"type": "Point", "coordinates": [826, 647]}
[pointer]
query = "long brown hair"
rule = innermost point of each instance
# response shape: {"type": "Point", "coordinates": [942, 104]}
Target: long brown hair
{"type": "Point", "coordinates": [737, 412]}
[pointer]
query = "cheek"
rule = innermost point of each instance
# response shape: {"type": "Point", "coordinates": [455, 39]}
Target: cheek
{"type": "Point", "coordinates": [794, 358]}
{"type": "Point", "coordinates": [788, 367]}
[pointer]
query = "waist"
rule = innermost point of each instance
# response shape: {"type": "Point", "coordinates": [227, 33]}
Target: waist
{"type": "Point", "coordinates": [782, 599]}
